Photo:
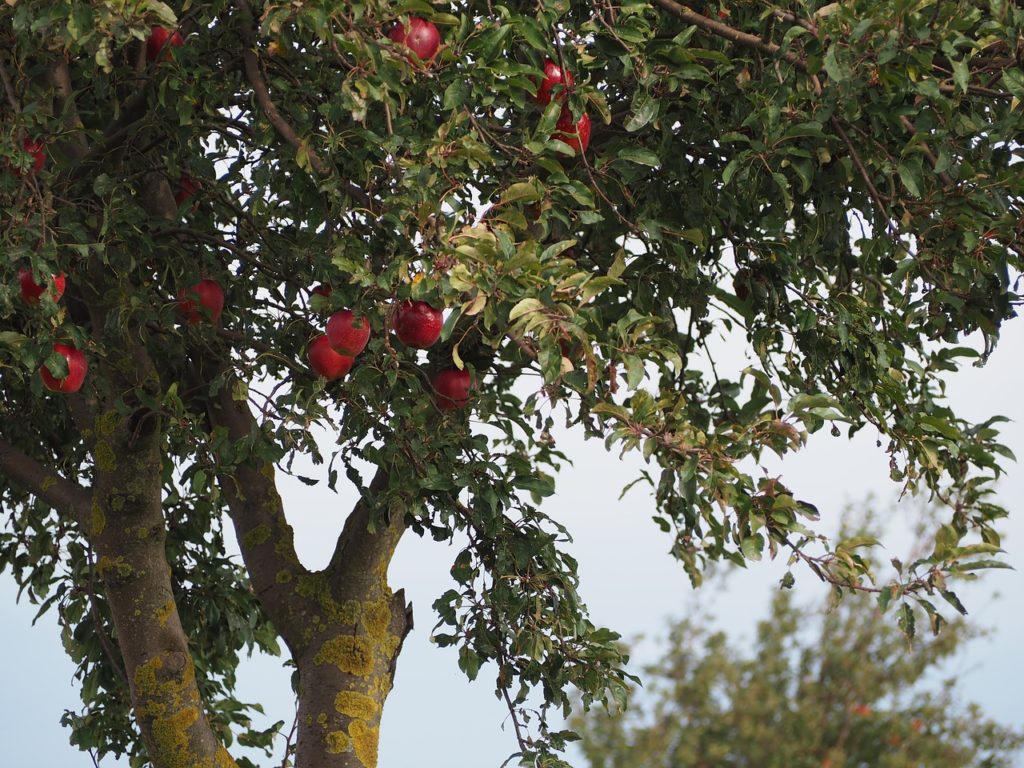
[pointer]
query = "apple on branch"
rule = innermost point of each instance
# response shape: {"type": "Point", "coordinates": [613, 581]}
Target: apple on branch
{"type": "Point", "coordinates": [325, 361]}
{"type": "Point", "coordinates": [417, 324]}
{"type": "Point", "coordinates": [420, 36]}
{"type": "Point", "coordinates": [31, 291]}
{"type": "Point", "coordinates": [160, 42]}
{"type": "Point", "coordinates": [347, 332]}
{"type": "Point", "coordinates": [554, 77]}
{"type": "Point", "coordinates": [575, 133]}
{"type": "Point", "coordinates": [37, 151]}
{"type": "Point", "coordinates": [203, 300]}
{"type": "Point", "coordinates": [78, 366]}
{"type": "Point", "coordinates": [452, 388]}
{"type": "Point", "coordinates": [187, 186]}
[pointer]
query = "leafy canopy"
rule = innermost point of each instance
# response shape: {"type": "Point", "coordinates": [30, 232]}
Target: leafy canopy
{"type": "Point", "coordinates": [833, 185]}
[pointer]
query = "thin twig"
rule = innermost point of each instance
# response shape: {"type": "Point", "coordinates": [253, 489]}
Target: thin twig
{"type": "Point", "coordinates": [288, 739]}
{"type": "Point", "coordinates": [12, 97]}
{"type": "Point", "coordinates": [855, 156]}
{"type": "Point", "coordinates": [262, 92]}
{"type": "Point", "coordinates": [790, 18]}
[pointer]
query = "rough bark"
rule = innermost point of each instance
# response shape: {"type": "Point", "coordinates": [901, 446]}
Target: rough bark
{"type": "Point", "coordinates": [127, 531]}
{"type": "Point", "coordinates": [347, 661]}
{"type": "Point", "coordinates": [128, 534]}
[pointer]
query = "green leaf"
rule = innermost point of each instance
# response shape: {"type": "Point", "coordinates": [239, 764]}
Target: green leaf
{"type": "Point", "coordinates": [640, 156]}
{"type": "Point", "coordinates": [525, 307]}
{"type": "Point", "coordinates": [645, 107]}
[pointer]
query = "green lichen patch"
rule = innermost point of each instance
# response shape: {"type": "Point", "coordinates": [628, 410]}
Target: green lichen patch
{"type": "Point", "coordinates": [364, 742]}
{"type": "Point", "coordinates": [258, 535]}
{"type": "Point", "coordinates": [356, 705]}
{"type": "Point", "coordinates": [106, 423]}
{"type": "Point", "coordinates": [284, 576]}
{"type": "Point", "coordinates": [316, 587]}
{"type": "Point", "coordinates": [337, 742]}
{"type": "Point", "coordinates": [113, 569]}
{"type": "Point", "coordinates": [97, 519]}
{"type": "Point", "coordinates": [352, 655]}
{"type": "Point", "coordinates": [106, 459]}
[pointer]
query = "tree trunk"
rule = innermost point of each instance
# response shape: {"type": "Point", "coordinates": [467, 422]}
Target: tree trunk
{"type": "Point", "coordinates": [128, 534]}
{"type": "Point", "coordinates": [345, 675]}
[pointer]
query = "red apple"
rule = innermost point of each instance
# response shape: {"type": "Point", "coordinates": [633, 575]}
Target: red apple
{"type": "Point", "coordinates": [322, 290]}
{"type": "Point", "coordinates": [554, 75]}
{"type": "Point", "coordinates": [576, 135]}
{"type": "Point", "coordinates": [37, 150]}
{"type": "Point", "coordinates": [421, 37]}
{"type": "Point", "coordinates": [417, 324]}
{"type": "Point", "coordinates": [160, 42]}
{"type": "Point", "coordinates": [348, 333]}
{"type": "Point", "coordinates": [187, 186]}
{"type": "Point", "coordinates": [451, 388]}
{"type": "Point", "coordinates": [78, 366]}
{"type": "Point", "coordinates": [31, 291]}
{"type": "Point", "coordinates": [325, 361]}
{"type": "Point", "coordinates": [204, 300]}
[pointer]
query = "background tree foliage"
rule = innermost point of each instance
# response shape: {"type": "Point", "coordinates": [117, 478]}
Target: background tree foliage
{"type": "Point", "coordinates": [826, 688]}
{"type": "Point", "coordinates": [836, 182]}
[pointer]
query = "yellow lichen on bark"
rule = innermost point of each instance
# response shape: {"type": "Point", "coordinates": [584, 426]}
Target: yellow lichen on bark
{"type": "Point", "coordinates": [352, 655]}
{"type": "Point", "coordinates": [356, 705]}
{"type": "Point", "coordinates": [364, 742]}
{"type": "Point", "coordinates": [171, 709]}
{"type": "Point", "coordinates": [377, 617]}
{"type": "Point", "coordinates": [163, 613]}
{"type": "Point", "coordinates": [337, 742]}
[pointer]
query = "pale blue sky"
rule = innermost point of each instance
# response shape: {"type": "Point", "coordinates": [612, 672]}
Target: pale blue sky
{"type": "Point", "coordinates": [435, 719]}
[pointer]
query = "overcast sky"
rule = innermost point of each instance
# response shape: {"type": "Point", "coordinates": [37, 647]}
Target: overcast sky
{"type": "Point", "coordinates": [435, 719]}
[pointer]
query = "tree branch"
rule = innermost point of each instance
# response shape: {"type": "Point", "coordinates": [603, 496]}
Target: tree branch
{"type": "Point", "coordinates": [361, 552]}
{"type": "Point", "coordinates": [259, 87]}
{"type": "Point", "coordinates": [912, 130]}
{"type": "Point", "coordinates": [12, 96]}
{"type": "Point", "coordinates": [256, 509]}
{"type": "Point", "coordinates": [262, 93]}
{"type": "Point", "coordinates": [726, 32]}
{"type": "Point", "coordinates": [63, 495]}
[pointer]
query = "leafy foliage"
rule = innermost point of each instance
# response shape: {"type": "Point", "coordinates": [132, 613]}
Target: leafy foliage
{"type": "Point", "coordinates": [835, 183]}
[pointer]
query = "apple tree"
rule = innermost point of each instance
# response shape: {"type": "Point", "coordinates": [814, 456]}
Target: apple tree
{"type": "Point", "coordinates": [597, 196]}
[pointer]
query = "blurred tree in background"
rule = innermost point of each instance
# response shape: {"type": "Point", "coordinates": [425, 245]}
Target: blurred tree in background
{"type": "Point", "coordinates": [832, 686]}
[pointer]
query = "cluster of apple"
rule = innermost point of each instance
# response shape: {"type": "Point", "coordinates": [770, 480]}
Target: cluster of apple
{"type": "Point", "coordinates": [416, 324]}
{"type": "Point", "coordinates": [78, 366]}
{"type": "Point", "coordinates": [423, 39]}
{"type": "Point", "coordinates": [575, 134]}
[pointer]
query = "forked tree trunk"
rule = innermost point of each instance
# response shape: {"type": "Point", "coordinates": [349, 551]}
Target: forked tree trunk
{"type": "Point", "coordinates": [345, 675]}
